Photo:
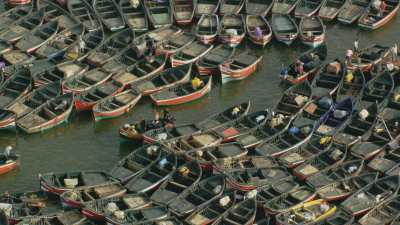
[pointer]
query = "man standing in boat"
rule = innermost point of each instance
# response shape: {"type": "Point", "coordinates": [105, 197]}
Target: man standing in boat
{"type": "Point", "coordinates": [150, 48]}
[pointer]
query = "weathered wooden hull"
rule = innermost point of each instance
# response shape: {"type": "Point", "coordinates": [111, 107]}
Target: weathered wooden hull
{"type": "Point", "coordinates": [379, 23]}
{"type": "Point", "coordinates": [8, 124]}
{"type": "Point", "coordinates": [177, 62]}
{"type": "Point", "coordinates": [232, 40]}
{"type": "Point", "coordinates": [101, 115]}
{"type": "Point", "coordinates": [313, 41]}
{"type": "Point", "coordinates": [228, 75]}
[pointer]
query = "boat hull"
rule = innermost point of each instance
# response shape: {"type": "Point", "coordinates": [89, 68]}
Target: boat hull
{"type": "Point", "coordinates": [379, 23]}
{"type": "Point", "coordinates": [8, 167]}
{"type": "Point", "coordinates": [228, 75]}
{"type": "Point", "coordinates": [232, 41]}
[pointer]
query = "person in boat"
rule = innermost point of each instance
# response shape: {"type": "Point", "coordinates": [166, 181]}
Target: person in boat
{"type": "Point", "coordinates": [382, 9]}
{"type": "Point", "coordinates": [197, 83]}
{"type": "Point", "coordinates": [236, 110]}
{"type": "Point", "coordinates": [349, 56]}
{"type": "Point", "coordinates": [150, 48]}
{"type": "Point", "coordinates": [168, 119]}
{"type": "Point", "coordinates": [355, 49]}
{"type": "Point", "coordinates": [394, 53]}
{"type": "Point", "coordinates": [9, 153]}
{"type": "Point", "coordinates": [299, 67]}
{"type": "Point", "coordinates": [258, 32]}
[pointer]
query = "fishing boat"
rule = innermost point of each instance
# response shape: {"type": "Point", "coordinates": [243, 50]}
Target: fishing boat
{"type": "Point", "coordinates": [190, 53]}
{"type": "Point", "coordinates": [54, 12]}
{"type": "Point", "coordinates": [284, 7]}
{"type": "Point", "coordinates": [77, 197]}
{"type": "Point", "coordinates": [248, 179]}
{"type": "Point", "coordinates": [98, 209]}
{"type": "Point", "coordinates": [85, 81]}
{"type": "Point", "coordinates": [38, 37]}
{"type": "Point", "coordinates": [183, 178]}
{"type": "Point", "coordinates": [386, 129]}
{"type": "Point", "coordinates": [352, 85]}
{"type": "Point", "coordinates": [8, 164]}
{"type": "Point", "coordinates": [163, 80]}
{"type": "Point", "coordinates": [284, 28]}
{"type": "Point", "coordinates": [7, 120]}
{"type": "Point", "coordinates": [114, 106]}
{"type": "Point", "coordinates": [57, 183]}
{"type": "Point", "coordinates": [35, 99]}
{"type": "Point", "coordinates": [243, 212]}
{"type": "Point", "coordinates": [385, 161]}
{"type": "Point", "coordinates": [270, 191]}
{"type": "Point", "coordinates": [328, 79]}
{"type": "Point", "coordinates": [239, 67]}
{"type": "Point", "coordinates": [254, 24]}
{"type": "Point", "coordinates": [368, 149]}
{"type": "Point", "coordinates": [84, 12]}
{"type": "Point", "coordinates": [25, 25]}
{"type": "Point", "coordinates": [257, 7]}
{"type": "Point", "coordinates": [330, 9]}
{"type": "Point", "coordinates": [15, 87]}
{"type": "Point", "coordinates": [137, 161]}
{"type": "Point", "coordinates": [16, 57]}
{"type": "Point", "coordinates": [207, 28]}
{"type": "Point", "coordinates": [5, 47]}
{"type": "Point", "coordinates": [14, 14]}
{"type": "Point", "coordinates": [209, 63]}
{"type": "Point", "coordinates": [311, 61]}
{"type": "Point", "coordinates": [229, 7]}
{"type": "Point", "coordinates": [312, 31]}
{"type": "Point", "coordinates": [110, 47]}
{"type": "Point", "coordinates": [175, 43]}
{"type": "Point", "coordinates": [149, 215]}
{"type": "Point", "coordinates": [61, 217]}
{"type": "Point", "coordinates": [339, 217]}
{"type": "Point", "coordinates": [109, 13]}
{"type": "Point", "coordinates": [204, 7]}
{"type": "Point", "coordinates": [47, 116]}
{"type": "Point", "coordinates": [371, 20]}
{"type": "Point", "coordinates": [159, 13]}
{"type": "Point", "coordinates": [232, 30]}
{"type": "Point", "coordinates": [382, 213]}
{"type": "Point", "coordinates": [241, 161]}
{"type": "Point", "coordinates": [182, 93]}
{"type": "Point", "coordinates": [199, 196]}
{"type": "Point", "coordinates": [368, 56]}
{"type": "Point", "coordinates": [135, 18]}
{"type": "Point", "coordinates": [371, 195]}
{"type": "Point", "coordinates": [378, 90]}
{"type": "Point", "coordinates": [287, 201]}
{"type": "Point", "coordinates": [91, 39]}
{"type": "Point", "coordinates": [183, 11]}
{"type": "Point", "coordinates": [352, 11]}
{"type": "Point", "coordinates": [190, 142]}
{"type": "Point", "coordinates": [307, 8]}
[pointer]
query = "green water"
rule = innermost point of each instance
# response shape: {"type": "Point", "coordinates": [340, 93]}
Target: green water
{"type": "Point", "coordinates": [83, 144]}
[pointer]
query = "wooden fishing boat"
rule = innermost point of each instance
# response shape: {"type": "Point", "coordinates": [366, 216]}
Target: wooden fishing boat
{"type": "Point", "coordinates": [182, 93]}
{"type": "Point", "coordinates": [257, 7]}
{"type": "Point", "coordinates": [368, 149]}
{"type": "Point", "coordinates": [371, 20]}
{"type": "Point", "coordinates": [312, 31]}
{"type": "Point", "coordinates": [137, 161]}
{"type": "Point", "coordinates": [86, 100]}
{"type": "Point", "coordinates": [307, 8]}
{"type": "Point", "coordinates": [378, 90]}
{"type": "Point", "coordinates": [251, 178]}
{"type": "Point", "coordinates": [270, 191]}
{"type": "Point", "coordinates": [84, 12]}
{"type": "Point", "coordinates": [239, 67]}
{"type": "Point", "coordinates": [54, 12]}
{"type": "Point", "coordinates": [209, 63]}
{"type": "Point", "coordinates": [61, 218]}
{"type": "Point", "coordinates": [77, 197]}
{"type": "Point", "coordinates": [339, 217]}
{"type": "Point", "coordinates": [109, 13]}
{"type": "Point", "coordinates": [253, 23]}
{"type": "Point", "coordinates": [311, 61]}
{"type": "Point", "coordinates": [8, 164]}
{"type": "Point", "coordinates": [5, 47]}
{"type": "Point", "coordinates": [14, 14]}
{"type": "Point", "coordinates": [352, 11]}
{"type": "Point", "coordinates": [15, 87]}
{"type": "Point", "coordinates": [367, 57]}
{"type": "Point", "coordinates": [205, 7]}
{"type": "Point", "coordinates": [85, 81]}
{"type": "Point", "coordinates": [139, 216]}
{"type": "Point", "coordinates": [38, 37]}
{"type": "Point", "coordinates": [385, 129]}
{"type": "Point", "coordinates": [314, 210]}
{"type": "Point", "coordinates": [47, 116]}
{"type": "Point", "coordinates": [135, 18]}
{"type": "Point", "coordinates": [351, 87]}
{"type": "Point", "coordinates": [14, 57]}
{"type": "Point", "coordinates": [385, 161]}
{"type": "Point", "coordinates": [232, 30]}
{"type": "Point", "coordinates": [35, 99]}
{"type": "Point", "coordinates": [60, 43]}
{"type": "Point", "coordinates": [229, 7]}
{"type": "Point", "coordinates": [7, 120]}
{"type": "Point", "coordinates": [159, 13]}
{"type": "Point", "coordinates": [190, 53]}
{"type": "Point", "coordinates": [175, 43]}
{"type": "Point", "coordinates": [242, 162]}
{"type": "Point", "coordinates": [199, 196]}
{"type": "Point", "coordinates": [183, 11]}
{"type": "Point", "coordinates": [57, 183]}
{"type": "Point", "coordinates": [287, 201]}
{"type": "Point", "coordinates": [163, 80]}
{"type": "Point", "coordinates": [284, 28]}
{"type": "Point", "coordinates": [29, 197]}
{"type": "Point", "coordinates": [114, 106]}
{"type": "Point", "coordinates": [330, 9]}
{"type": "Point", "coordinates": [285, 110]}
{"type": "Point", "coordinates": [58, 73]}
{"type": "Point", "coordinates": [185, 177]}
{"type": "Point", "coordinates": [98, 209]}
{"type": "Point", "coordinates": [25, 25]}
{"type": "Point", "coordinates": [284, 6]}
{"type": "Point", "coordinates": [371, 195]}
{"type": "Point", "coordinates": [328, 79]}
{"type": "Point", "coordinates": [194, 141]}
{"type": "Point", "coordinates": [207, 28]}
{"type": "Point", "coordinates": [91, 41]}
{"type": "Point", "coordinates": [384, 213]}
{"type": "Point", "coordinates": [214, 211]}
{"type": "Point", "coordinates": [110, 47]}
{"type": "Point", "coordinates": [243, 212]}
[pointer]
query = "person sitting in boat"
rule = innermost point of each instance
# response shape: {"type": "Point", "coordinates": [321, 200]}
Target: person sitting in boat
{"type": "Point", "coordinates": [258, 32]}
{"type": "Point", "coordinates": [382, 9]}
{"type": "Point", "coordinates": [197, 83]}
{"type": "Point", "coordinates": [236, 110]}
{"type": "Point", "coordinates": [349, 56]}
{"type": "Point", "coordinates": [355, 48]}
{"type": "Point", "coordinates": [168, 118]}
{"type": "Point", "coordinates": [9, 153]}
{"type": "Point", "coordinates": [299, 67]}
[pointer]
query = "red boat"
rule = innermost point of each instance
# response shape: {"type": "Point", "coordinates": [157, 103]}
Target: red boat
{"type": "Point", "coordinates": [207, 28]}
{"type": "Point", "coordinates": [181, 94]}
{"type": "Point", "coordinates": [240, 67]}
{"type": "Point", "coordinates": [209, 64]}
{"type": "Point", "coordinates": [7, 165]}
{"type": "Point", "coordinates": [232, 30]}
{"type": "Point", "coordinates": [7, 119]}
